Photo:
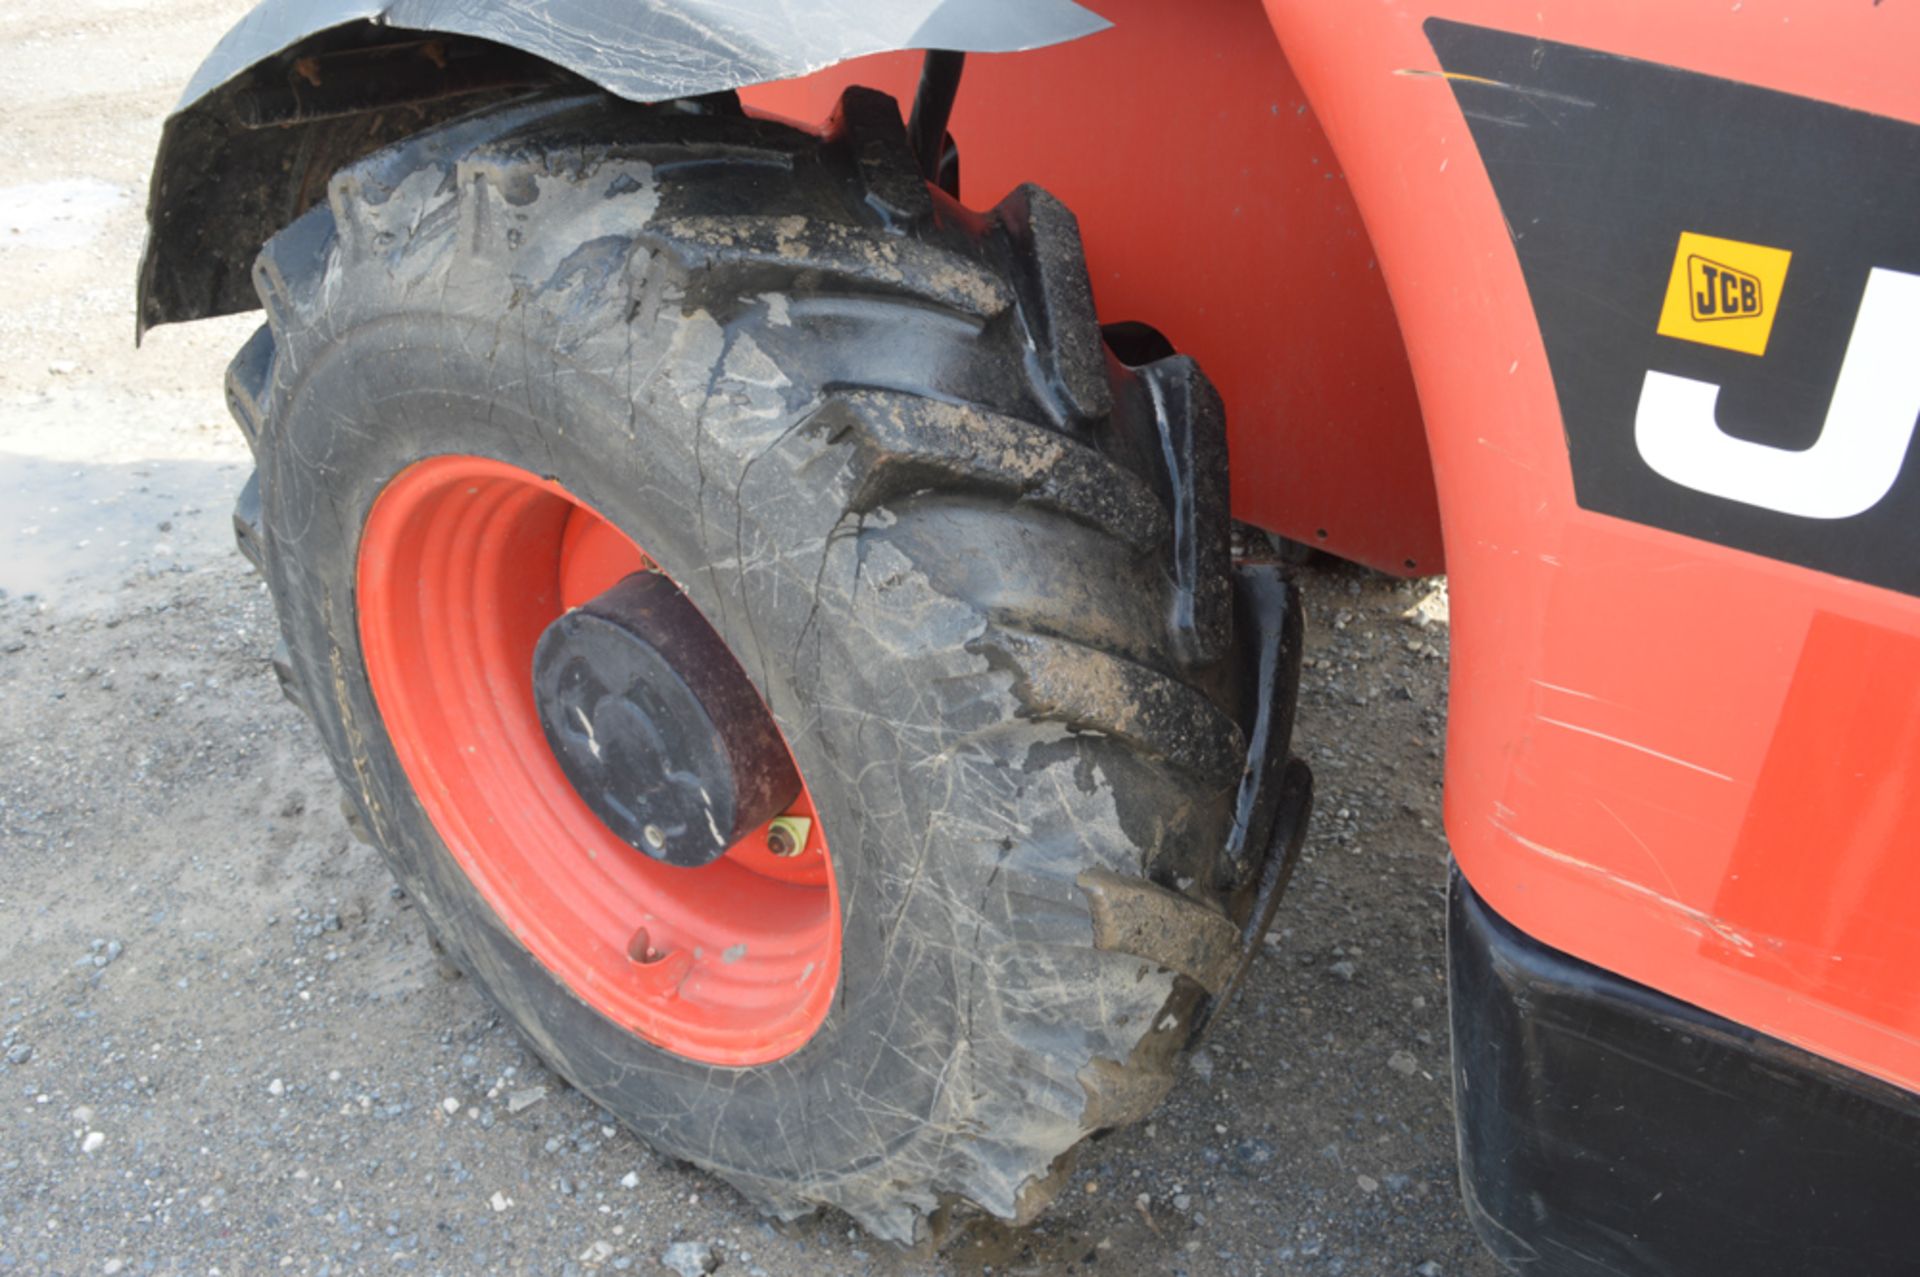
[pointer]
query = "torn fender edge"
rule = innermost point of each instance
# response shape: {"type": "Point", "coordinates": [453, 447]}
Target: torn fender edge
{"type": "Point", "coordinates": [670, 48]}
{"type": "Point", "coordinates": [223, 184]}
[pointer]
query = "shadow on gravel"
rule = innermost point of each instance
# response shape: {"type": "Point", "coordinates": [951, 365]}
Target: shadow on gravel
{"type": "Point", "coordinates": [72, 531]}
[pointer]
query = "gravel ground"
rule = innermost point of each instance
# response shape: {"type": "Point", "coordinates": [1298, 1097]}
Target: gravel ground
{"type": "Point", "coordinates": [225, 1042]}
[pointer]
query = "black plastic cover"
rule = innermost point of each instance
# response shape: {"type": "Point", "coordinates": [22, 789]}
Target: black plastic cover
{"type": "Point", "coordinates": [1606, 1128]}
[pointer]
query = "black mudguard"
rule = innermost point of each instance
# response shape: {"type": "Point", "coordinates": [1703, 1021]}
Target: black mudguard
{"type": "Point", "coordinates": [1608, 1129]}
{"type": "Point", "coordinates": [302, 87]}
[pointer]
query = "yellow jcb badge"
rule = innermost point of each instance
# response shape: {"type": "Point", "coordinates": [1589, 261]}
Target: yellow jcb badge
{"type": "Point", "coordinates": [1724, 293]}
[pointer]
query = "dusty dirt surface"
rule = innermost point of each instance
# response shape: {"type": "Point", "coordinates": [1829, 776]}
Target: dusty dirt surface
{"type": "Point", "coordinates": [226, 1045]}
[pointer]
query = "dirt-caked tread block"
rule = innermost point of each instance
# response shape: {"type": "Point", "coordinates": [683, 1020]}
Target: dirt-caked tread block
{"type": "Point", "coordinates": [1193, 430]}
{"type": "Point", "coordinates": [867, 127]}
{"type": "Point", "coordinates": [247, 378]}
{"type": "Point", "coordinates": [355, 822]}
{"type": "Point", "coordinates": [247, 532]}
{"type": "Point", "coordinates": [909, 444]}
{"type": "Point", "coordinates": [285, 675]}
{"type": "Point", "coordinates": [1057, 299]}
{"type": "Point", "coordinates": [1119, 1095]}
{"type": "Point", "coordinates": [1132, 915]}
{"type": "Point", "coordinates": [819, 395]}
{"type": "Point", "coordinates": [742, 259]}
{"type": "Point", "coordinates": [291, 267]}
{"type": "Point", "coordinates": [1093, 691]}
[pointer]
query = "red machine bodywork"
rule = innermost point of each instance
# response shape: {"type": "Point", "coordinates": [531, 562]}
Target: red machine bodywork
{"type": "Point", "coordinates": [1213, 208]}
{"type": "Point", "coordinates": [1689, 764]}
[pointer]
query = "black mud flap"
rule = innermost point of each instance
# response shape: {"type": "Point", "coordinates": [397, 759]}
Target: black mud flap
{"type": "Point", "coordinates": [1606, 1128]}
{"type": "Point", "coordinates": [1275, 797]}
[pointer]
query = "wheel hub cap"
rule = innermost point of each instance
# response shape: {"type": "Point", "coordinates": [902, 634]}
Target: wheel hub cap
{"type": "Point", "coordinates": [656, 725]}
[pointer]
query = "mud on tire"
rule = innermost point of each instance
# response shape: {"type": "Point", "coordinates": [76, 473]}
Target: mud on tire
{"type": "Point", "coordinates": [879, 441]}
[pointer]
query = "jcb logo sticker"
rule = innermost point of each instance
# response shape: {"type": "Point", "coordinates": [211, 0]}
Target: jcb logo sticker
{"type": "Point", "coordinates": [1718, 291]}
{"type": "Point", "coordinates": [1852, 465]}
{"type": "Point", "coordinates": [1724, 293]}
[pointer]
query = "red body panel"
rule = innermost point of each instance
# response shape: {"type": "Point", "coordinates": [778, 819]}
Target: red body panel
{"type": "Point", "coordinates": [1212, 207]}
{"type": "Point", "coordinates": [1691, 765]}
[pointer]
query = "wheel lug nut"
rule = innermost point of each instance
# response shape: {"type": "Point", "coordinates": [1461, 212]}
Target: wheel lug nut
{"type": "Point", "coordinates": [787, 835]}
{"type": "Point", "coordinates": [656, 837]}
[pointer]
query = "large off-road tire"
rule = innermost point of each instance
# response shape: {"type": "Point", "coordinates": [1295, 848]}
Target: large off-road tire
{"type": "Point", "coordinates": [877, 440]}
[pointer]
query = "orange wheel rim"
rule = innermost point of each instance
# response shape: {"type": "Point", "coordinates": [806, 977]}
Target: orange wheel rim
{"type": "Point", "coordinates": [463, 563]}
